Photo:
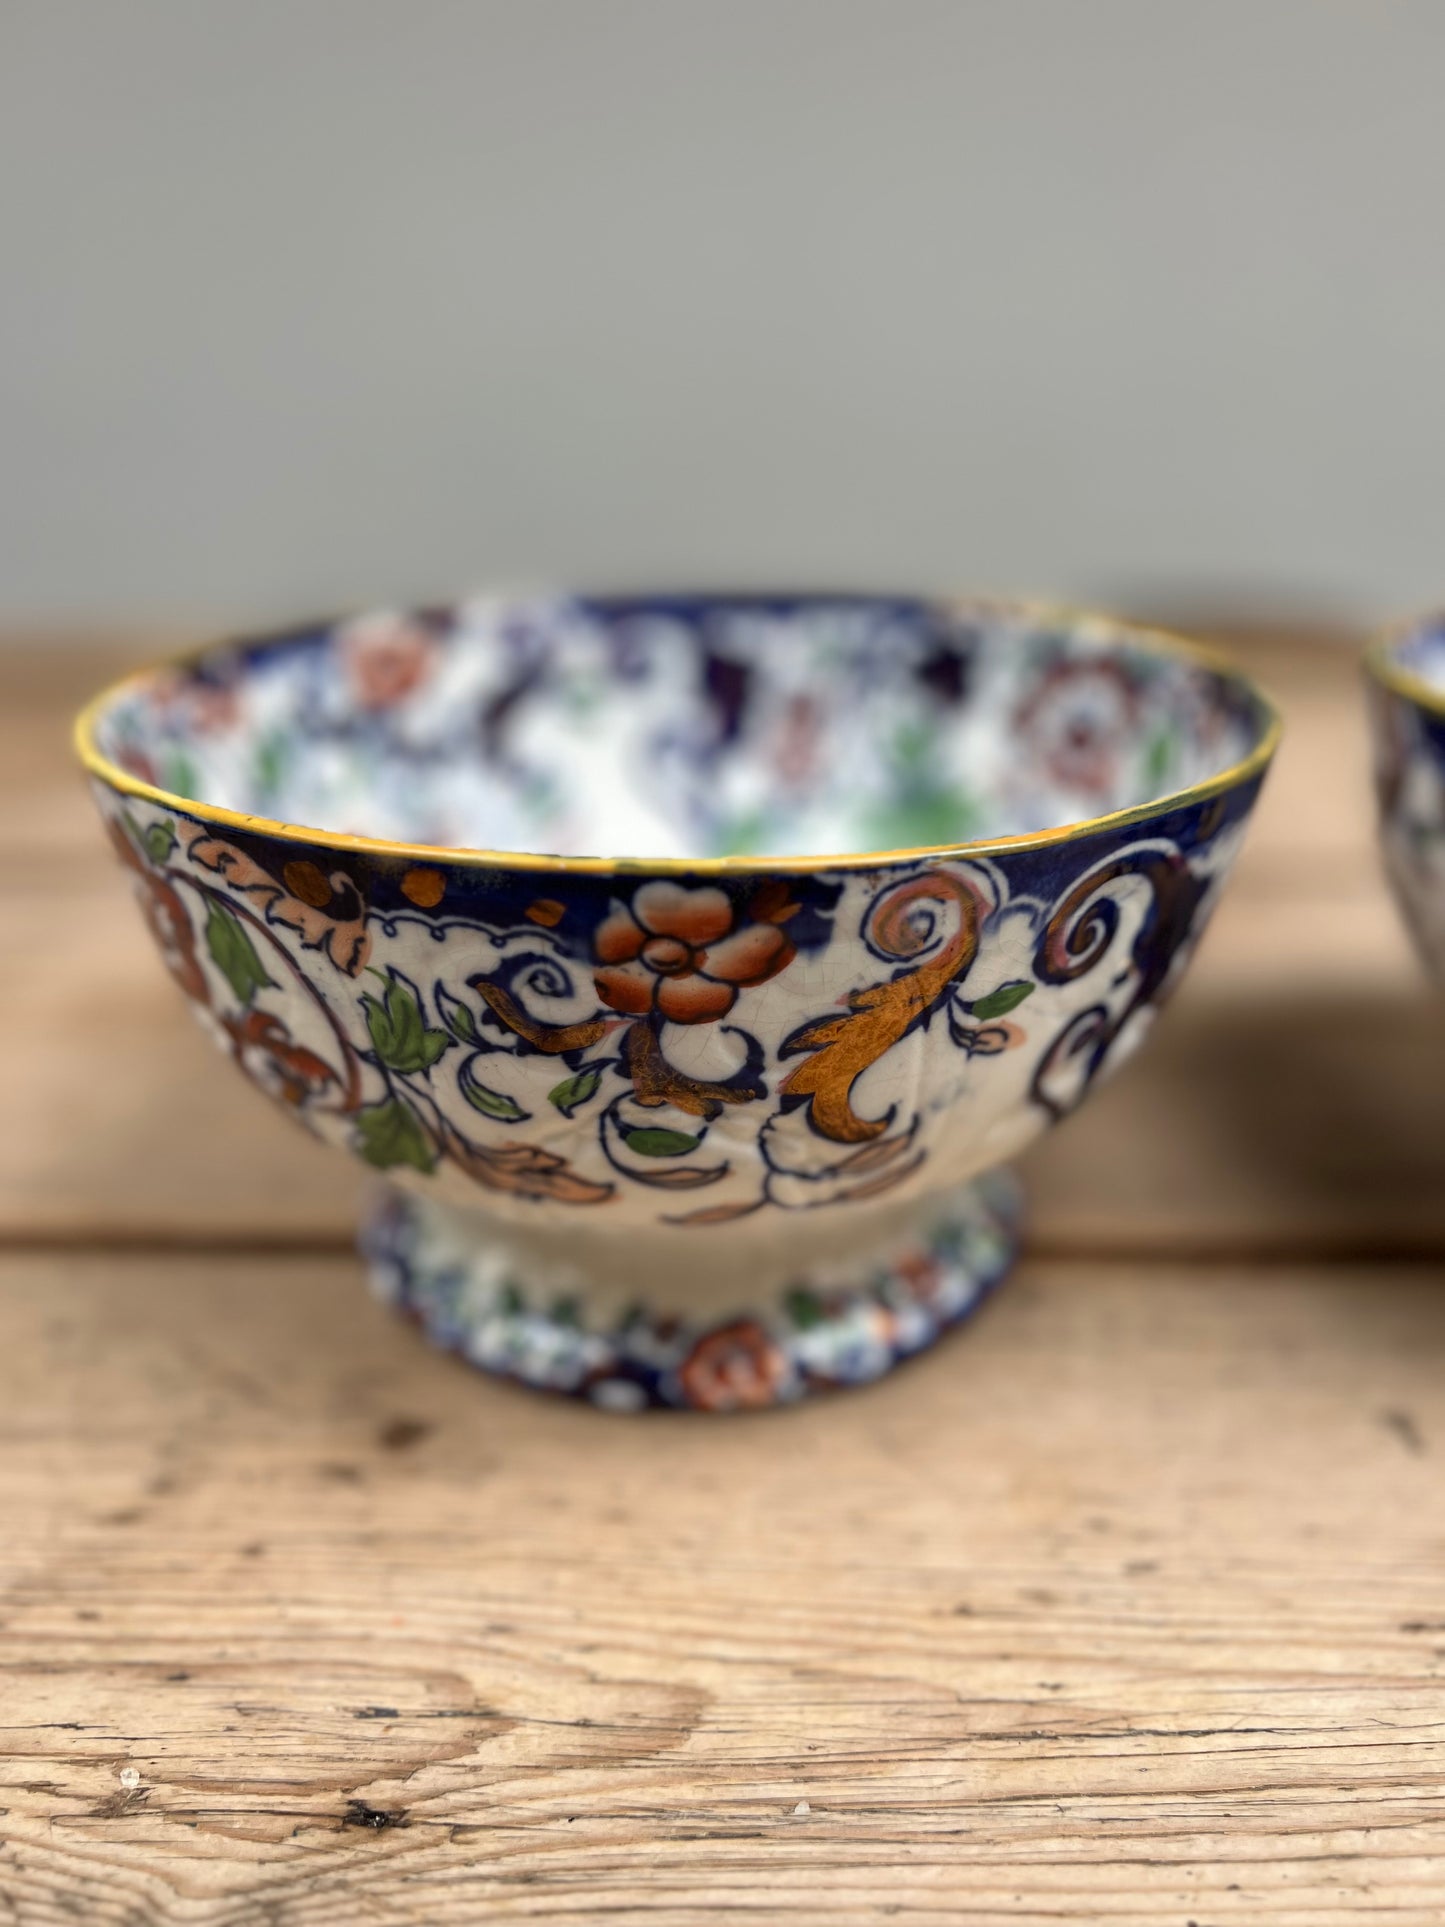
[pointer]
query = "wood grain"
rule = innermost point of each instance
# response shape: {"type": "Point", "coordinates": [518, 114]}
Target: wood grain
{"type": "Point", "coordinates": [1125, 1604]}
{"type": "Point", "coordinates": [304, 1623]}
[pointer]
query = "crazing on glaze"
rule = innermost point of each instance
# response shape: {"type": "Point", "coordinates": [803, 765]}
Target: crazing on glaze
{"type": "Point", "coordinates": [777, 1080]}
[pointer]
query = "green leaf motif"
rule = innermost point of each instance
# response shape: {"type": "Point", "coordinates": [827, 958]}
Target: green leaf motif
{"type": "Point", "coordinates": [804, 1307]}
{"type": "Point", "coordinates": [399, 1033]}
{"type": "Point", "coordinates": [654, 1142]}
{"type": "Point", "coordinates": [270, 763]}
{"type": "Point", "coordinates": [390, 1133]}
{"type": "Point", "coordinates": [178, 773]}
{"type": "Point", "coordinates": [1160, 758]}
{"type": "Point", "coordinates": [573, 1092]}
{"type": "Point", "coordinates": [491, 1103]}
{"type": "Point", "coordinates": [999, 1002]}
{"type": "Point", "coordinates": [924, 813]}
{"type": "Point", "coordinates": [913, 745]}
{"type": "Point", "coordinates": [457, 1018]}
{"type": "Point", "coordinates": [234, 953]}
{"type": "Point", "coordinates": [137, 834]}
{"type": "Point", "coordinates": [160, 840]}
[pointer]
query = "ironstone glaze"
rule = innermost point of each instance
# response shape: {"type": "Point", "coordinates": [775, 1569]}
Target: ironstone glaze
{"type": "Point", "coordinates": [706, 1124]}
{"type": "Point", "coordinates": [1407, 708]}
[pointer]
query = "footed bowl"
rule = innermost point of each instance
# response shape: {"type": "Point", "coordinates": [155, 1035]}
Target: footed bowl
{"type": "Point", "coordinates": [1406, 681]}
{"type": "Point", "coordinates": [690, 966]}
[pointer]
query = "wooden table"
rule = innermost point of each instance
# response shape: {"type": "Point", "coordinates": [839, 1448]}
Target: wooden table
{"type": "Point", "coordinates": [1126, 1604]}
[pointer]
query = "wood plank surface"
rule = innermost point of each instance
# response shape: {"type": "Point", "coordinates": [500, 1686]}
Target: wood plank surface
{"type": "Point", "coordinates": [1127, 1604]}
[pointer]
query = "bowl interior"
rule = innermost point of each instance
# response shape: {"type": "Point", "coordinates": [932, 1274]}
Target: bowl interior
{"type": "Point", "coordinates": [686, 727]}
{"type": "Point", "coordinates": [1419, 652]}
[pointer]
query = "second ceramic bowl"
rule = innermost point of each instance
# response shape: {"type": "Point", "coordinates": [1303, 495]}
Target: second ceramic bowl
{"type": "Point", "coordinates": [1406, 669]}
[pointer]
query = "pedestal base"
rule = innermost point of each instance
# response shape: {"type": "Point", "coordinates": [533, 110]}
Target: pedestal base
{"type": "Point", "coordinates": [434, 1264]}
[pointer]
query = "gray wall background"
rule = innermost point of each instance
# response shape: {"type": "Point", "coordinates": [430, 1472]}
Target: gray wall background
{"type": "Point", "coordinates": [314, 302]}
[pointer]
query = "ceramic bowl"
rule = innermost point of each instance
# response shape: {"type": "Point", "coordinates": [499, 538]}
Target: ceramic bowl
{"type": "Point", "coordinates": [846, 899]}
{"type": "Point", "coordinates": [1406, 680]}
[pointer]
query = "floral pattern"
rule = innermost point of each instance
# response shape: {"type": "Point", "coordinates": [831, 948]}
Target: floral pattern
{"type": "Point", "coordinates": [675, 952]}
{"type": "Point", "coordinates": [386, 659]}
{"type": "Point", "coordinates": [263, 1047]}
{"type": "Point", "coordinates": [519, 1324]}
{"type": "Point", "coordinates": [1080, 719]}
{"type": "Point", "coordinates": [747, 1060]}
{"type": "Point", "coordinates": [687, 727]}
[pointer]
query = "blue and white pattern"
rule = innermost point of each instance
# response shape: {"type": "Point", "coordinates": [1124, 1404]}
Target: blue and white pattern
{"type": "Point", "coordinates": [816, 1335]}
{"type": "Point", "coordinates": [751, 1074]}
{"type": "Point", "coordinates": [1408, 712]}
{"type": "Point", "coordinates": [680, 728]}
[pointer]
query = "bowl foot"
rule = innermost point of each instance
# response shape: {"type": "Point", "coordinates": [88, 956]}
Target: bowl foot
{"type": "Point", "coordinates": [815, 1335]}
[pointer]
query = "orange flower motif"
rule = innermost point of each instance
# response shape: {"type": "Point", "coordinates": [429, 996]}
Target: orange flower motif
{"type": "Point", "coordinates": [675, 951]}
{"type": "Point", "coordinates": [166, 915]}
{"type": "Point", "coordinates": [737, 1367]}
{"type": "Point", "coordinates": [1078, 720]}
{"type": "Point", "coordinates": [211, 708]}
{"type": "Point", "coordinates": [297, 1073]}
{"type": "Point", "coordinates": [923, 1274]}
{"type": "Point", "coordinates": [386, 659]}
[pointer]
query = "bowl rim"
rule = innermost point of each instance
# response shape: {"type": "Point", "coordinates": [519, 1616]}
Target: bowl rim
{"type": "Point", "coordinates": [1382, 663]}
{"type": "Point", "coordinates": [1046, 611]}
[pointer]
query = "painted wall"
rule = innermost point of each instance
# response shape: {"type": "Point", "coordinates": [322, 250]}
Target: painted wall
{"type": "Point", "coordinates": [308, 302]}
